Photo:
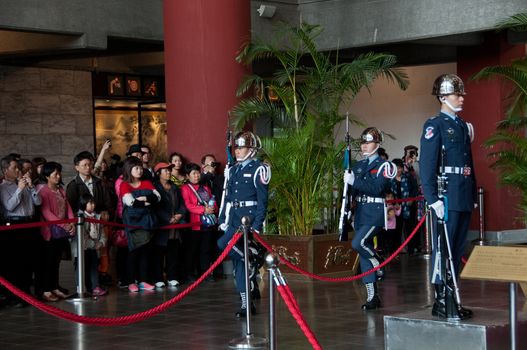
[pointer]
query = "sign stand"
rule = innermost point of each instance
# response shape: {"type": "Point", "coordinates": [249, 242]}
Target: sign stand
{"type": "Point", "coordinates": [500, 264]}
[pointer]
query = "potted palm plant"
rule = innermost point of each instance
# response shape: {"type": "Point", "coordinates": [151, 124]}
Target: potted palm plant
{"type": "Point", "coordinates": [302, 99]}
{"type": "Point", "coordinates": [511, 157]}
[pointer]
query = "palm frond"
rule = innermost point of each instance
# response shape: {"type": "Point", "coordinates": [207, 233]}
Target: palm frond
{"type": "Point", "coordinates": [516, 22]}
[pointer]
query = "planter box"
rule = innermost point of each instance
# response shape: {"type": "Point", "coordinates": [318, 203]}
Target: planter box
{"type": "Point", "coordinates": [318, 254]}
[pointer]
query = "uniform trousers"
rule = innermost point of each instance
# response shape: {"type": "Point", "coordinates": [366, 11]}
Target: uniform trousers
{"type": "Point", "coordinates": [362, 243]}
{"type": "Point", "coordinates": [457, 227]}
{"type": "Point", "coordinates": [236, 255]}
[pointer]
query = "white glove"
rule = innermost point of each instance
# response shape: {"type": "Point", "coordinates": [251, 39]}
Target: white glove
{"type": "Point", "coordinates": [439, 208]}
{"type": "Point", "coordinates": [226, 172]}
{"type": "Point", "coordinates": [349, 178]}
{"type": "Point", "coordinates": [223, 227]}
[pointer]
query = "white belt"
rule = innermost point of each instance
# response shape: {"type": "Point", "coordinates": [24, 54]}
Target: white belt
{"type": "Point", "coordinates": [239, 204]}
{"type": "Point", "coordinates": [368, 199]}
{"type": "Point", "coordinates": [459, 170]}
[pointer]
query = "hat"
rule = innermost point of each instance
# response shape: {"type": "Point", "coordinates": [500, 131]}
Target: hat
{"type": "Point", "coordinates": [134, 149]}
{"type": "Point", "coordinates": [409, 147]}
{"type": "Point", "coordinates": [162, 165]}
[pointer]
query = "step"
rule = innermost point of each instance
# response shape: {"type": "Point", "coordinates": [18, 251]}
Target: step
{"type": "Point", "coordinates": [487, 330]}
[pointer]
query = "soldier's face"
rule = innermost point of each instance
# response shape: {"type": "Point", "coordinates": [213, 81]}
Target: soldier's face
{"type": "Point", "coordinates": [455, 101]}
{"type": "Point", "coordinates": [241, 152]}
{"type": "Point", "coordinates": [368, 148]}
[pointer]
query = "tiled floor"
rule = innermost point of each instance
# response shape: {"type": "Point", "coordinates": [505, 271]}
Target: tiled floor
{"type": "Point", "coordinates": [205, 318]}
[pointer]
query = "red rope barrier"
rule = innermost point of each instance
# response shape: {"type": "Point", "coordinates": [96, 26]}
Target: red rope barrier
{"type": "Point", "coordinates": [411, 199]}
{"type": "Point", "coordinates": [121, 320]}
{"type": "Point", "coordinates": [343, 279]}
{"type": "Point", "coordinates": [116, 224]}
{"type": "Point", "coordinates": [9, 227]}
{"type": "Point", "coordinates": [287, 295]}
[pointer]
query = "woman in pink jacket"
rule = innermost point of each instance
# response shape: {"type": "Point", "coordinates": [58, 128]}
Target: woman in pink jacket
{"type": "Point", "coordinates": [54, 207]}
{"type": "Point", "coordinates": [197, 242]}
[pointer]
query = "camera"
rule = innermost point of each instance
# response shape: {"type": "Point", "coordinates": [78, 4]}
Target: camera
{"type": "Point", "coordinates": [215, 164]}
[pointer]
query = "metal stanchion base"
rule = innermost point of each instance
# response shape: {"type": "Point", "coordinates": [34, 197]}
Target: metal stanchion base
{"type": "Point", "coordinates": [480, 242]}
{"type": "Point", "coordinates": [81, 298]}
{"type": "Point", "coordinates": [248, 342]}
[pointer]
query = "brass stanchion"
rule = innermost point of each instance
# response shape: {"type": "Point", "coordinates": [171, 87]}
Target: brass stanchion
{"type": "Point", "coordinates": [481, 203]}
{"type": "Point", "coordinates": [272, 260]}
{"type": "Point", "coordinates": [81, 294]}
{"type": "Point", "coordinates": [249, 341]}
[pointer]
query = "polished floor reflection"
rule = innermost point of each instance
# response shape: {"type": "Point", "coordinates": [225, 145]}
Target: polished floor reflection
{"type": "Point", "coordinates": [205, 318]}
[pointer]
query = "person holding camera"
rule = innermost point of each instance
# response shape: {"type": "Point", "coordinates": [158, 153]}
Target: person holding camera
{"type": "Point", "coordinates": [18, 249]}
{"type": "Point", "coordinates": [214, 181]}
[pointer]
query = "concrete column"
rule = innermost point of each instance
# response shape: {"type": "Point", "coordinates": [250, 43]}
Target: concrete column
{"type": "Point", "coordinates": [485, 106]}
{"type": "Point", "coordinates": [202, 38]}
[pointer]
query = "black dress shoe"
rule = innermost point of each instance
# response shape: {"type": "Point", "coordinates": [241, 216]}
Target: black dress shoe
{"type": "Point", "coordinates": [242, 313]}
{"type": "Point", "coordinates": [373, 304]}
{"type": "Point", "coordinates": [465, 313]}
{"type": "Point", "coordinates": [459, 314]}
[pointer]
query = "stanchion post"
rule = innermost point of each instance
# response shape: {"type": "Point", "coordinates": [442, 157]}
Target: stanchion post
{"type": "Point", "coordinates": [512, 313]}
{"type": "Point", "coordinates": [272, 260]}
{"type": "Point", "coordinates": [481, 204]}
{"type": "Point", "coordinates": [428, 233]}
{"type": "Point", "coordinates": [249, 341]}
{"type": "Point", "coordinates": [81, 294]}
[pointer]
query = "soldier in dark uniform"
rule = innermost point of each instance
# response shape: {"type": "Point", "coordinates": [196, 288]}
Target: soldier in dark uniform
{"type": "Point", "coordinates": [246, 195]}
{"type": "Point", "coordinates": [446, 138]}
{"type": "Point", "coordinates": [369, 182]}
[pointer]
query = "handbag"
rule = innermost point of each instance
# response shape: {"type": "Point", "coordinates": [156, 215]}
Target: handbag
{"type": "Point", "coordinates": [207, 220]}
{"type": "Point", "coordinates": [58, 232]}
{"type": "Point", "coordinates": [119, 238]}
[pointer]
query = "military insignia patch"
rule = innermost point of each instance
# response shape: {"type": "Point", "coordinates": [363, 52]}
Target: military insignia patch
{"type": "Point", "coordinates": [429, 132]}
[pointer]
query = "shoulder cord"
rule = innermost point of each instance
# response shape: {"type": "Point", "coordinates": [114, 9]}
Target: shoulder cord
{"type": "Point", "coordinates": [388, 169]}
{"type": "Point", "coordinates": [265, 174]}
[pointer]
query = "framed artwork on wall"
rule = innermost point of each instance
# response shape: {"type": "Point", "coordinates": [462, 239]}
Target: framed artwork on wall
{"type": "Point", "coordinates": [115, 85]}
{"type": "Point", "coordinates": [151, 87]}
{"type": "Point", "coordinates": [133, 86]}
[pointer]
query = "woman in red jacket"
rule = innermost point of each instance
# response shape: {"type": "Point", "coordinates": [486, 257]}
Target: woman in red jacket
{"type": "Point", "coordinates": [197, 242]}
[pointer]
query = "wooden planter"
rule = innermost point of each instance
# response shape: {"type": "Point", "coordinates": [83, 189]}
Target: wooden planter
{"type": "Point", "coordinates": [318, 254]}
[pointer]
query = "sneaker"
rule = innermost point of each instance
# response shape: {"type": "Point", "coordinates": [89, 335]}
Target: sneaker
{"type": "Point", "coordinates": [58, 293]}
{"type": "Point", "coordinates": [98, 292]}
{"type": "Point", "coordinates": [132, 287]}
{"type": "Point", "coordinates": [173, 283]}
{"type": "Point", "coordinates": [160, 284]}
{"type": "Point", "coordinates": [146, 286]}
{"type": "Point", "coordinates": [49, 297]}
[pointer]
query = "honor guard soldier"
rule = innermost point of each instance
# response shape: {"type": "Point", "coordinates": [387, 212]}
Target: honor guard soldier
{"type": "Point", "coordinates": [446, 159]}
{"type": "Point", "coordinates": [246, 195]}
{"type": "Point", "coordinates": [369, 181]}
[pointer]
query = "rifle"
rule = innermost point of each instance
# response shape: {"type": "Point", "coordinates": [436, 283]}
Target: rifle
{"type": "Point", "coordinates": [448, 273]}
{"type": "Point", "coordinates": [230, 162]}
{"type": "Point", "coordinates": [345, 209]}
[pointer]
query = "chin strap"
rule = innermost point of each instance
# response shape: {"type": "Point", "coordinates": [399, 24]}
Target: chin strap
{"type": "Point", "coordinates": [372, 152]}
{"type": "Point", "coordinates": [251, 154]}
{"type": "Point", "coordinates": [455, 109]}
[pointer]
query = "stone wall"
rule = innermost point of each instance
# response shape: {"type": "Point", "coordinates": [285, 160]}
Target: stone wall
{"type": "Point", "coordinates": [46, 112]}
